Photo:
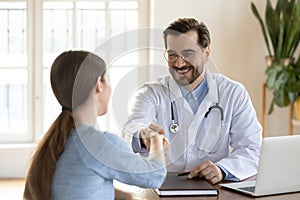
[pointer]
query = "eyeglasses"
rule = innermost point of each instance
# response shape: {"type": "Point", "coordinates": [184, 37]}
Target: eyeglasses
{"type": "Point", "coordinates": [186, 55]}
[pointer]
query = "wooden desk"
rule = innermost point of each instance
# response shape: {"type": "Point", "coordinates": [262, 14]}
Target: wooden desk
{"type": "Point", "coordinates": [224, 194]}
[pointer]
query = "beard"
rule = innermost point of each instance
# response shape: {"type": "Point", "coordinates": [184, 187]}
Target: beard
{"type": "Point", "coordinates": [185, 75]}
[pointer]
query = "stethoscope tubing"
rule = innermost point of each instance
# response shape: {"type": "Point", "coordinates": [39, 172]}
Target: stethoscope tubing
{"type": "Point", "coordinates": [174, 127]}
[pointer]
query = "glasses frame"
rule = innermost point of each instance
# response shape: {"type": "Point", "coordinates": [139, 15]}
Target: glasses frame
{"type": "Point", "coordinates": [193, 53]}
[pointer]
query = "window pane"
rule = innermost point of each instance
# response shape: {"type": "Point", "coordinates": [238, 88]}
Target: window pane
{"type": "Point", "coordinates": [91, 24]}
{"type": "Point", "coordinates": [122, 5]}
{"type": "Point", "coordinates": [13, 101]}
{"type": "Point", "coordinates": [13, 68]}
{"type": "Point", "coordinates": [13, 34]}
{"type": "Point", "coordinates": [123, 20]}
{"type": "Point", "coordinates": [57, 29]}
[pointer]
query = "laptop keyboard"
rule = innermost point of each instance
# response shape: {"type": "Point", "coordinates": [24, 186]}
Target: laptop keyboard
{"type": "Point", "coordinates": [249, 189]}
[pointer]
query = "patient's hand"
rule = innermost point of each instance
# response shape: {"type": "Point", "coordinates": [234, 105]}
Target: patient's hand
{"type": "Point", "coordinates": [153, 132]}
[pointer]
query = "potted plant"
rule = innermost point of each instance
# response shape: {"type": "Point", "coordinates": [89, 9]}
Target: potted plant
{"type": "Point", "coordinates": [281, 29]}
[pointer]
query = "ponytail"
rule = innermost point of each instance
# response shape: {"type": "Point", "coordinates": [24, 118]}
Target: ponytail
{"type": "Point", "coordinates": [41, 171]}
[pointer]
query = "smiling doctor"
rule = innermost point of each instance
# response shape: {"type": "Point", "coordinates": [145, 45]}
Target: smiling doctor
{"type": "Point", "coordinates": [209, 120]}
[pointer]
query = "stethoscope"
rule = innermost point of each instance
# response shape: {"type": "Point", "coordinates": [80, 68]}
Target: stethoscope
{"type": "Point", "coordinates": [174, 127]}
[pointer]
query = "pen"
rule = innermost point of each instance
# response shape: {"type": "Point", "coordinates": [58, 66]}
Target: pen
{"type": "Point", "coordinates": [183, 174]}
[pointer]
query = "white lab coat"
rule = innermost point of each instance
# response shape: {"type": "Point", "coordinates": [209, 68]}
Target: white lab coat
{"type": "Point", "coordinates": [241, 131]}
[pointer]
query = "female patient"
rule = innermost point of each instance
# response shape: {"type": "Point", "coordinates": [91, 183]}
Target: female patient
{"type": "Point", "coordinates": [76, 161]}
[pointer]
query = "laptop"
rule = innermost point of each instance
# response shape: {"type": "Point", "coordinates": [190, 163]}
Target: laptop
{"type": "Point", "coordinates": [278, 169]}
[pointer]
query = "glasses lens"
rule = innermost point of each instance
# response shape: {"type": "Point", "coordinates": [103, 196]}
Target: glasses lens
{"type": "Point", "coordinates": [170, 57]}
{"type": "Point", "coordinates": [187, 56]}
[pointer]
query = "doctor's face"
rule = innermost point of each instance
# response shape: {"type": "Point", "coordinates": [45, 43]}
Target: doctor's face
{"type": "Point", "coordinates": [185, 57]}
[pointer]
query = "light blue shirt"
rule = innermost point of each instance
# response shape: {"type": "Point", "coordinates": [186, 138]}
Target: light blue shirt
{"type": "Point", "coordinates": [92, 160]}
{"type": "Point", "coordinates": [195, 97]}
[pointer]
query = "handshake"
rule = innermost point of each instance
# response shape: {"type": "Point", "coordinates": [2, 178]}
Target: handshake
{"type": "Point", "coordinates": [153, 138]}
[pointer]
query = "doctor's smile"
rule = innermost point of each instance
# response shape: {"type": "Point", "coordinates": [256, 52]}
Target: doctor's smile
{"type": "Point", "coordinates": [182, 70]}
{"type": "Point", "coordinates": [186, 73]}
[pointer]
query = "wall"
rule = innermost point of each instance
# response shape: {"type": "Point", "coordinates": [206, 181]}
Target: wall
{"type": "Point", "coordinates": [238, 48]}
{"type": "Point", "coordinates": [17, 158]}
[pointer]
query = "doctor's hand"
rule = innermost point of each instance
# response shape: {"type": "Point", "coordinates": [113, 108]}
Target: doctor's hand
{"type": "Point", "coordinates": [152, 133]}
{"type": "Point", "coordinates": [156, 143]}
{"type": "Point", "coordinates": [208, 170]}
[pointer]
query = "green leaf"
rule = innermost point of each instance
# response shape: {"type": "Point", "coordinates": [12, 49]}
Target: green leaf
{"type": "Point", "coordinates": [272, 23]}
{"type": "Point", "coordinates": [256, 14]}
{"type": "Point", "coordinates": [294, 87]}
{"type": "Point", "coordinates": [291, 18]}
{"type": "Point", "coordinates": [278, 53]}
{"type": "Point", "coordinates": [281, 98]}
{"type": "Point", "coordinates": [271, 108]}
{"type": "Point", "coordinates": [271, 77]}
{"type": "Point", "coordinates": [297, 65]}
{"type": "Point", "coordinates": [280, 5]}
{"type": "Point", "coordinates": [270, 82]}
{"type": "Point", "coordinates": [292, 97]}
{"type": "Point", "coordinates": [280, 81]}
{"type": "Point", "coordinates": [293, 34]}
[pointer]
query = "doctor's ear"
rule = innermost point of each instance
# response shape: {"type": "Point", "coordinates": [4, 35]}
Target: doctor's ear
{"type": "Point", "coordinates": [207, 53]}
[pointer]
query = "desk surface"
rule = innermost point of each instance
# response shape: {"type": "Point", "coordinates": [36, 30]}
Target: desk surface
{"type": "Point", "coordinates": [224, 194]}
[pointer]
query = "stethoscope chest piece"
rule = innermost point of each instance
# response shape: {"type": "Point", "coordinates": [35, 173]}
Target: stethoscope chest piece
{"type": "Point", "coordinates": [174, 128]}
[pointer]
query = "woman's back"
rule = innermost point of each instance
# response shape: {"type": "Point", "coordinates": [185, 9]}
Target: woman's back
{"type": "Point", "coordinates": [92, 159]}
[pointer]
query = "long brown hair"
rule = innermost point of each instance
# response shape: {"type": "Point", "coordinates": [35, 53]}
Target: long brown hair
{"type": "Point", "coordinates": [73, 75]}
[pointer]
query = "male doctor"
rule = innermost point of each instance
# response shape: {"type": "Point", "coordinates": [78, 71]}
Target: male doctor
{"type": "Point", "coordinates": [209, 120]}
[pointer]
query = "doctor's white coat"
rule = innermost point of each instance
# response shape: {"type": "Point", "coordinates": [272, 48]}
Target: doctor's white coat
{"type": "Point", "coordinates": [234, 143]}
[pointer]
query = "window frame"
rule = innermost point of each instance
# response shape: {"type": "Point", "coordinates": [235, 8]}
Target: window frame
{"type": "Point", "coordinates": [35, 59]}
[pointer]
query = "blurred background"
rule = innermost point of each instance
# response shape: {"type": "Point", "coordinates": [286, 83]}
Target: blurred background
{"type": "Point", "coordinates": [34, 32]}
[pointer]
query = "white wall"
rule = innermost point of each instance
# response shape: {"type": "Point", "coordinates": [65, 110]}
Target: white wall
{"type": "Point", "coordinates": [238, 48]}
{"type": "Point", "coordinates": [15, 159]}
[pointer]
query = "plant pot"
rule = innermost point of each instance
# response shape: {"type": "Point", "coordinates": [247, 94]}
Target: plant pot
{"type": "Point", "coordinates": [297, 109]}
{"type": "Point", "coordinates": [279, 61]}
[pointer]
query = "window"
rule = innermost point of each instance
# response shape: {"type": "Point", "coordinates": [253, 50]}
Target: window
{"type": "Point", "coordinates": [32, 34]}
{"type": "Point", "coordinates": [14, 120]}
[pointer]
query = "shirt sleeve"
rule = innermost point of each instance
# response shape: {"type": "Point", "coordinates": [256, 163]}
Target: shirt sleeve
{"type": "Point", "coordinates": [137, 146]}
{"type": "Point", "coordinates": [110, 157]}
{"type": "Point", "coordinates": [228, 175]}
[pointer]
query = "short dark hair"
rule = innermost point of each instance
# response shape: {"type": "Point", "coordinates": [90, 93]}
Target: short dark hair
{"type": "Point", "coordinates": [183, 25]}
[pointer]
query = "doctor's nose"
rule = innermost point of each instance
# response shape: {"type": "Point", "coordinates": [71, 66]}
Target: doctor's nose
{"type": "Point", "coordinates": [180, 61]}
